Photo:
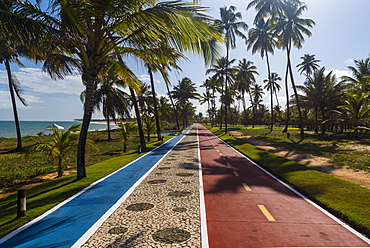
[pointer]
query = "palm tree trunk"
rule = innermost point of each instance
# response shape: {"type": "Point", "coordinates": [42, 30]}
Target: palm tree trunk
{"type": "Point", "coordinates": [323, 126]}
{"type": "Point", "coordinates": [174, 107]}
{"type": "Point", "coordinates": [316, 130]}
{"type": "Point", "coordinates": [155, 105]}
{"type": "Point", "coordinates": [138, 119]}
{"type": "Point", "coordinates": [89, 80]}
{"type": "Point", "coordinates": [296, 97]}
{"type": "Point", "coordinates": [269, 80]}
{"type": "Point", "coordinates": [60, 168]}
{"type": "Point", "coordinates": [108, 121]}
{"type": "Point", "coordinates": [287, 101]}
{"type": "Point", "coordinates": [245, 110]}
{"type": "Point", "coordinates": [14, 105]}
{"type": "Point", "coordinates": [226, 91]}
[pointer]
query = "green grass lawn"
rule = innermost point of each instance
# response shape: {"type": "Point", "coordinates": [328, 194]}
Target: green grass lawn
{"type": "Point", "coordinates": [16, 169]}
{"type": "Point", "coordinates": [45, 196]}
{"type": "Point", "coordinates": [339, 148]}
{"type": "Point", "coordinates": [347, 201]}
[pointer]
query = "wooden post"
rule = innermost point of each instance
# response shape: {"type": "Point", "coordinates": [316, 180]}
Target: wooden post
{"type": "Point", "coordinates": [21, 206]}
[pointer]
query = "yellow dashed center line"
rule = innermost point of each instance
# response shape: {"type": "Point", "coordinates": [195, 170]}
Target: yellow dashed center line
{"type": "Point", "coordinates": [220, 154]}
{"type": "Point", "coordinates": [266, 213]}
{"type": "Point", "coordinates": [246, 187]}
{"type": "Point", "coordinates": [236, 174]}
{"type": "Point", "coordinates": [228, 164]}
{"type": "Point", "coordinates": [223, 158]}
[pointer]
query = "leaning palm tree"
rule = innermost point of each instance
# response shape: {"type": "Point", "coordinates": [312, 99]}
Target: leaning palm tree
{"type": "Point", "coordinates": [308, 65]}
{"type": "Point", "coordinates": [291, 28]}
{"type": "Point", "coordinates": [244, 78]}
{"type": "Point", "coordinates": [63, 144]}
{"type": "Point", "coordinates": [19, 28]}
{"type": "Point", "coordinates": [110, 97]}
{"type": "Point", "coordinates": [273, 86]}
{"type": "Point", "coordinates": [91, 34]}
{"type": "Point", "coordinates": [229, 26]}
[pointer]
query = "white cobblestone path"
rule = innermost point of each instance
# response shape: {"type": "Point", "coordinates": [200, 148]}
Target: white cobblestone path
{"type": "Point", "coordinates": [164, 210]}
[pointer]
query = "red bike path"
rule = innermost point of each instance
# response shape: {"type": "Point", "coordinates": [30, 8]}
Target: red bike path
{"type": "Point", "coordinates": [246, 207]}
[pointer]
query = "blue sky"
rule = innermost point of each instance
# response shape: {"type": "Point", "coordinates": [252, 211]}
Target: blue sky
{"type": "Point", "coordinates": [341, 35]}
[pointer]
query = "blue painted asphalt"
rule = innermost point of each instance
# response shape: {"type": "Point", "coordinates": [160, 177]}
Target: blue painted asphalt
{"type": "Point", "coordinates": [64, 226]}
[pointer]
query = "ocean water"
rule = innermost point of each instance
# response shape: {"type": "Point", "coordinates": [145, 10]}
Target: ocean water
{"type": "Point", "coordinates": [7, 128]}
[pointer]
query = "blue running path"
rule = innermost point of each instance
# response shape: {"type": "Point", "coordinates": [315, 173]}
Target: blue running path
{"type": "Point", "coordinates": [66, 223]}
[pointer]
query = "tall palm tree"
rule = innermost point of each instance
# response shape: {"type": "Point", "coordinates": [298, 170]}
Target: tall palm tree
{"type": "Point", "coordinates": [20, 27]}
{"type": "Point", "coordinates": [183, 92]}
{"type": "Point", "coordinates": [229, 26]}
{"type": "Point", "coordinates": [273, 86]}
{"type": "Point", "coordinates": [321, 93]}
{"type": "Point", "coordinates": [90, 35]}
{"type": "Point", "coordinates": [261, 39]}
{"type": "Point", "coordinates": [360, 80]}
{"type": "Point", "coordinates": [244, 78]}
{"type": "Point", "coordinates": [291, 28]}
{"type": "Point", "coordinates": [206, 97]}
{"type": "Point", "coordinates": [110, 97]}
{"type": "Point", "coordinates": [221, 75]}
{"type": "Point", "coordinates": [257, 93]}
{"type": "Point", "coordinates": [268, 8]}
{"type": "Point", "coordinates": [308, 65]}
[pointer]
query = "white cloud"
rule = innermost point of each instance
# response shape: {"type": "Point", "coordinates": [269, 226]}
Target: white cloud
{"type": "Point", "coordinates": [33, 79]}
{"type": "Point", "coordinates": [5, 100]}
{"type": "Point", "coordinates": [339, 73]}
{"type": "Point", "coordinates": [349, 62]}
{"type": "Point", "coordinates": [146, 79]}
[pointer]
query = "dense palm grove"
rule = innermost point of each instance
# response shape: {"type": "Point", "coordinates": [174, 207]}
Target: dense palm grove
{"type": "Point", "coordinates": [96, 39]}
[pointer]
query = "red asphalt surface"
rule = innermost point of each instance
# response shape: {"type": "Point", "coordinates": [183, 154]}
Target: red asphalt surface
{"type": "Point", "coordinates": [269, 215]}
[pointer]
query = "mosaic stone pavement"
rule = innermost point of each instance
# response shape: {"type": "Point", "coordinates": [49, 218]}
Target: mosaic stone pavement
{"type": "Point", "coordinates": [164, 210]}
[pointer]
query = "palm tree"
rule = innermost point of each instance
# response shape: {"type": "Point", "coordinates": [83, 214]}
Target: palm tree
{"type": "Point", "coordinates": [149, 122]}
{"type": "Point", "coordinates": [127, 130]}
{"type": "Point", "coordinates": [291, 28]}
{"type": "Point", "coordinates": [63, 143]}
{"type": "Point", "coordinates": [110, 97]}
{"type": "Point", "coordinates": [90, 35]}
{"type": "Point", "coordinates": [360, 79]}
{"type": "Point", "coordinates": [308, 65]}
{"type": "Point", "coordinates": [261, 39]}
{"type": "Point", "coordinates": [19, 28]}
{"type": "Point", "coordinates": [222, 74]}
{"type": "Point", "coordinates": [357, 107]}
{"type": "Point", "coordinates": [273, 86]}
{"type": "Point", "coordinates": [256, 92]}
{"type": "Point", "coordinates": [321, 93]}
{"type": "Point", "coordinates": [183, 92]}
{"type": "Point", "coordinates": [229, 26]}
{"type": "Point", "coordinates": [244, 78]}
{"type": "Point", "coordinates": [165, 109]}
{"type": "Point", "coordinates": [206, 97]}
